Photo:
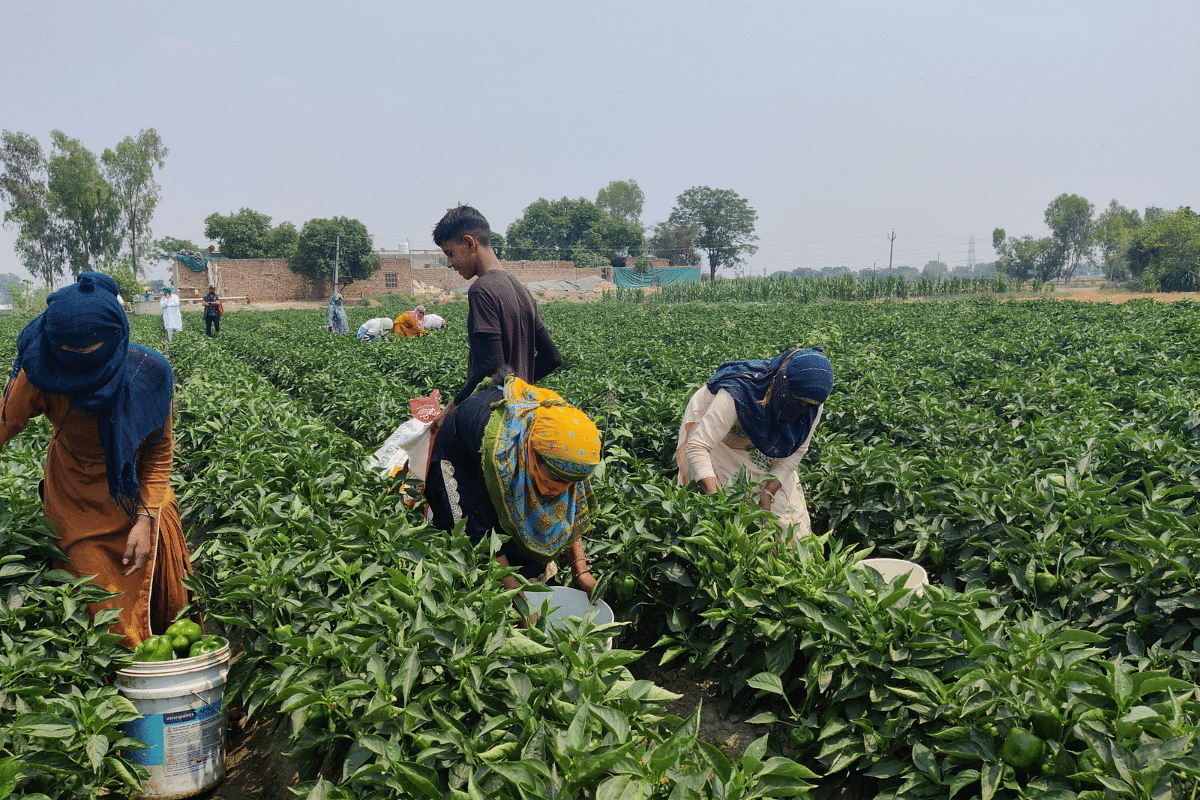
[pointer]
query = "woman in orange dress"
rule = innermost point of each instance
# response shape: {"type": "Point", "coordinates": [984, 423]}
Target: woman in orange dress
{"type": "Point", "coordinates": [106, 487]}
{"type": "Point", "coordinates": [410, 323]}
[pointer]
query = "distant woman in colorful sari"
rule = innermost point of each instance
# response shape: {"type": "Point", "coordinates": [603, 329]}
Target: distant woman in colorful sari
{"type": "Point", "coordinates": [410, 323]}
{"type": "Point", "coordinates": [757, 417]}
{"type": "Point", "coordinates": [516, 461]}
{"type": "Point", "coordinates": [106, 487]}
{"type": "Point", "coordinates": [335, 315]}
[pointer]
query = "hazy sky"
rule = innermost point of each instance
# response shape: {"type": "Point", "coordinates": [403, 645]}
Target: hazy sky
{"type": "Point", "coordinates": [838, 122]}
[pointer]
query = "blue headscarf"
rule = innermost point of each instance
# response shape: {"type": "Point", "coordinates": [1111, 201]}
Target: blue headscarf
{"type": "Point", "coordinates": [767, 395]}
{"type": "Point", "coordinates": [126, 387]}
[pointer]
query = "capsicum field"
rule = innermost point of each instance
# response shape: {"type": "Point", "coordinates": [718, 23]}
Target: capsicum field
{"type": "Point", "coordinates": [1041, 460]}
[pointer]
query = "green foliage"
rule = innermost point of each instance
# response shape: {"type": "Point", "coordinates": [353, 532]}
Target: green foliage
{"type": "Point", "coordinates": [248, 234]}
{"type": "Point", "coordinates": [1113, 228]}
{"type": "Point", "coordinates": [1069, 218]}
{"type": "Point", "coordinates": [24, 188]}
{"type": "Point", "coordinates": [1014, 440]}
{"type": "Point", "coordinates": [571, 230]}
{"type": "Point", "coordinates": [935, 270]}
{"type": "Point", "coordinates": [128, 283]}
{"type": "Point", "coordinates": [129, 169]}
{"type": "Point", "coordinates": [164, 249]}
{"type": "Point", "coordinates": [1165, 253]}
{"type": "Point", "coordinates": [1028, 259]}
{"type": "Point", "coordinates": [84, 202]}
{"type": "Point", "coordinates": [726, 223]}
{"type": "Point", "coordinates": [845, 285]}
{"type": "Point", "coordinates": [676, 242]}
{"type": "Point", "coordinates": [622, 199]}
{"type": "Point", "coordinates": [340, 242]}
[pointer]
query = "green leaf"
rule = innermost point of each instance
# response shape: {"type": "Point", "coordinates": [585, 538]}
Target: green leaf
{"type": "Point", "coordinates": [767, 682]}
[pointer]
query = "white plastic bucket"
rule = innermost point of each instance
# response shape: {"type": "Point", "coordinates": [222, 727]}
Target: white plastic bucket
{"type": "Point", "coordinates": [565, 602]}
{"type": "Point", "coordinates": [891, 568]}
{"type": "Point", "coordinates": [182, 721]}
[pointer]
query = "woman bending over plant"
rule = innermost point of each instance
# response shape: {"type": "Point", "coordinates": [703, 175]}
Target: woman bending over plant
{"type": "Point", "coordinates": [516, 461]}
{"type": "Point", "coordinates": [106, 486]}
{"type": "Point", "coordinates": [757, 416]}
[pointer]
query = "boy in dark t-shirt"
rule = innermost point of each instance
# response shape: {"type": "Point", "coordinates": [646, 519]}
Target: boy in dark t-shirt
{"type": "Point", "coordinates": [503, 326]}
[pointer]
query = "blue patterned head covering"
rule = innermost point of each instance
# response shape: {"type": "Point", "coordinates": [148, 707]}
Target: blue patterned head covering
{"type": "Point", "coordinates": [126, 387]}
{"type": "Point", "coordinates": [777, 400]}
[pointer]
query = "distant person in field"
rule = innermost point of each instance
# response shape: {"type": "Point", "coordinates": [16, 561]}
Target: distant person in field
{"type": "Point", "coordinates": [212, 312]}
{"type": "Point", "coordinates": [170, 305]}
{"type": "Point", "coordinates": [757, 416]}
{"type": "Point", "coordinates": [375, 330]}
{"type": "Point", "coordinates": [516, 460]}
{"type": "Point", "coordinates": [410, 323]}
{"type": "Point", "coordinates": [503, 326]}
{"type": "Point", "coordinates": [335, 315]}
{"type": "Point", "coordinates": [434, 322]}
{"type": "Point", "coordinates": [107, 486]}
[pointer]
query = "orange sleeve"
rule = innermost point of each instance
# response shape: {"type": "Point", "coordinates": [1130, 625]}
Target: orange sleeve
{"type": "Point", "coordinates": [22, 402]}
{"type": "Point", "coordinates": [154, 470]}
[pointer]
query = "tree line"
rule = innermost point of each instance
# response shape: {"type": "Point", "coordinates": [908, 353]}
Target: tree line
{"type": "Point", "coordinates": [589, 233]}
{"type": "Point", "coordinates": [76, 211]}
{"type": "Point", "coordinates": [607, 230]}
{"type": "Point", "coordinates": [1157, 250]}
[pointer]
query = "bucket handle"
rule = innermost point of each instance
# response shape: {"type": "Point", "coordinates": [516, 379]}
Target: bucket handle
{"type": "Point", "coordinates": [215, 710]}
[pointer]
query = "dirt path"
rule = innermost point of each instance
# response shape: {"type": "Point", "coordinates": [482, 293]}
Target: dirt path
{"type": "Point", "coordinates": [1097, 294]}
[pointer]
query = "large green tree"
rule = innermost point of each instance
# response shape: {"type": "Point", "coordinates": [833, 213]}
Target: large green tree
{"type": "Point", "coordinates": [622, 199]}
{"type": "Point", "coordinates": [1113, 226]}
{"type": "Point", "coordinates": [164, 249]}
{"type": "Point", "coordinates": [1165, 253]}
{"type": "Point", "coordinates": [1025, 258]}
{"type": "Point", "coordinates": [1069, 218]}
{"type": "Point", "coordinates": [726, 223]}
{"type": "Point", "coordinates": [24, 187]}
{"type": "Point", "coordinates": [572, 230]}
{"type": "Point", "coordinates": [84, 202]}
{"type": "Point", "coordinates": [677, 243]}
{"type": "Point", "coordinates": [248, 234]}
{"type": "Point", "coordinates": [129, 169]}
{"type": "Point", "coordinates": [341, 241]}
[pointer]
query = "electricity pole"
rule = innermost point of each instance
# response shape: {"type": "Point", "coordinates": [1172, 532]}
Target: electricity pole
{"type": "Point", "coordinates": [337, 257]}
{"type": "Point", "coordinates": [891, 249]}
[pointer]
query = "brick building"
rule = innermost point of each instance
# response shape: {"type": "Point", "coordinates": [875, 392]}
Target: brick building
{"type": "Point", "coordinates": [268, 280]}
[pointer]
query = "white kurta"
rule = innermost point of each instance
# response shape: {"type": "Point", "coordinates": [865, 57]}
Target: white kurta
{"type": "Point", "coordinates": [171, 319]}
{"type": "Point", "coordinates": [712, 445]}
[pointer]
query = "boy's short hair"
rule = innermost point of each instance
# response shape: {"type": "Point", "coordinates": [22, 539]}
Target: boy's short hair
{"type": "Point", "coordinates": [462, 221]}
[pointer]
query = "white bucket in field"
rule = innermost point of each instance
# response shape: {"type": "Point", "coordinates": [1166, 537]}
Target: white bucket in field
{"type": "Point", "coordinates": [182, 721]}
{"type": "Point", "coordinates": [891, 568]}
{"type": "Point", "coordinates": [565, 602]}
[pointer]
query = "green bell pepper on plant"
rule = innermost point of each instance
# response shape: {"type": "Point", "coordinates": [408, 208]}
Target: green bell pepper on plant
{"type": "Point", "coordinates": [1022, 750]}
{"type": "Point", "coordinates": [1045, 582]}
{"type": "Point", "coordinates": [156, 648]}
{"type": "Point", "coordinates": [1046, 724]}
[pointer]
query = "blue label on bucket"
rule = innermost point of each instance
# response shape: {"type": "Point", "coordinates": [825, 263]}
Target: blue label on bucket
{"type": "Point", "coordinates": [180, 740]}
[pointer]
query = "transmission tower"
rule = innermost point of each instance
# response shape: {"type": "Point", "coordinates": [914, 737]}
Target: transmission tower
{"type": "Point", "coordinates": [971, 253]}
